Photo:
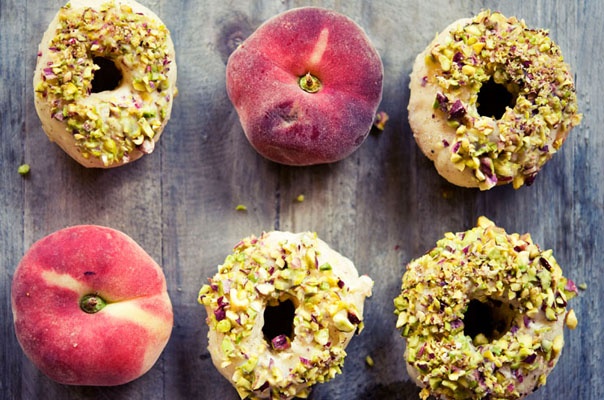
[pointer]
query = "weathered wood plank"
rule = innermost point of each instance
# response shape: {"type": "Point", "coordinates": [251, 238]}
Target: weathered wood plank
{"type": "Point", "coordinates": [12, 112]}
{"type": "Point", "coordinates": [381, 207]}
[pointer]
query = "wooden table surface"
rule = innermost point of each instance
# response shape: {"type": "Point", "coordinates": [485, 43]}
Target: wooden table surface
{"type": "Point", "coordinates": [381, 207]}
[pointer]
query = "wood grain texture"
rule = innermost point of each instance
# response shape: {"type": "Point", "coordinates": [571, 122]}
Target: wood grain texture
{"type": "Point", "coordinates": [381, 207]}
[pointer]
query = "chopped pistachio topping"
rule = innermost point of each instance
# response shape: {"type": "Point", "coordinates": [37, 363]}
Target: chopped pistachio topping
{"type": "Point", "coordinates": [369, 361]}
{"type": "Point", "coordinates": [257, 275]}
{"type": "Point", "coordinates": [23, 169]}
{"type": "Point", "coordinates": [482, 263]}
{"type": "Point", "coordinates": [108, 130]}
{"type": "Point", "coordinates": [571, 319]}
{"type": "Point", "coordinates": [531, 67]}
{"type": "Point", "coordinates": [380, 120]}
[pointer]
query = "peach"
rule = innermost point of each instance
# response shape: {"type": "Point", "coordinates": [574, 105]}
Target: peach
{"type": "Point", "coordinates": [90, 307]}
{"type": "Point", "coordinates": [306, 86]}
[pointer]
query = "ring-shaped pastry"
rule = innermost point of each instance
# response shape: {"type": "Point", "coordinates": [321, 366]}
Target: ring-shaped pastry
{"type": "Point", "coordinates": [445, 105]}
{"type": "Point", "coordinates": [483, 315]}
{"type": "Point", "coordinates": [119, 123]}
{"type": "Point", "coordinates": [325, 296]}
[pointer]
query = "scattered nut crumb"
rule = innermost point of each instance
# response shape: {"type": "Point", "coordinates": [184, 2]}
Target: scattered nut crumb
{"type": "Point", "coordinates": [300, 198]}
{"type": "Point", "coordinates": [571, 319]}
{"type": "Point", "coordinates": [380, 120]}
{"type": "Point", "coordinates": [582, 286]}
{"type": "Point", "coordinates": [23, 169]}
{"type": "Point", "coordinates": [369, 361]}
{"type": "Point", "coordinates": [447, 194]}
{"type": "Point", "coordinates": [241, 207]}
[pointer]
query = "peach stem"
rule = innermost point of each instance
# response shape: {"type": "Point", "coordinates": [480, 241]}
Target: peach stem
{"type": "Point", "coordinates": [92, 303]}
{"type": "Point", "coordinates": [310, 83]}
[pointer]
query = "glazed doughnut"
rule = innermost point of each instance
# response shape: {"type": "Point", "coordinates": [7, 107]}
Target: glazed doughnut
{"type": "Point", "coordinates": [97, 117]}
{"type": "Point", "coordinates": [483, 315]}
{"type": "Point", "coordinates": [252, 292]}
{"type": "Point", "coordinates": [469, 143]}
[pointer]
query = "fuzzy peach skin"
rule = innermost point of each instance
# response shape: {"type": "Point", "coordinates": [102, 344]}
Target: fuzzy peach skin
{"type": "Point", "coordinates": [284, 122]}
{"type": "Point", "coordinates": [115, 345]}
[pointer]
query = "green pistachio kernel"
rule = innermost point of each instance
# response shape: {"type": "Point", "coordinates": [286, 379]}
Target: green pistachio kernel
{"type": "Point", "coordinates": [23, 169]}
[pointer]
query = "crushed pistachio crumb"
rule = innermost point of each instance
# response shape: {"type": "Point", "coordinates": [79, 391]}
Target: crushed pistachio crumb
{"type": "Point", "coordinates": [23, 169]}
{"type": "Point", "coordinates": [241, 207]}
{"type": "Point", "coordinates": [300, 198]}
{"type": "Point", "coordinates": [582, 286]}
{"type": "Point", "coordinates": [380, 120]}
{"type": "Point", "coordinates": [571, 319]}
{"type": "Point", "coordinates": [531, 67]}
{"type": "Point", "coordinates": [482, 263]}
{"type": "Point", "coordinates": [447, 194]}
{"type": "Point", "coordinates": [369, 361]}
{"type": "Point", "coordinates": [108, 130]}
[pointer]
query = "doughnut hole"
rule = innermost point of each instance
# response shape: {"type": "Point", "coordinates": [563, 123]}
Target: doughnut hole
{"type": "Point", "coordinates": [490, 319]}
{"type": "Point", "coordinates": [107, 77]}
{"type": "Point", "coordinates": [279, 320]}
{"type": "Point", "coordinates": [494, 98]}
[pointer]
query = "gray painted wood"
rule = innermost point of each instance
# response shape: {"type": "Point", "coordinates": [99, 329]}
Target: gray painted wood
{"type": "Point", "coordinates": [382, 206]}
